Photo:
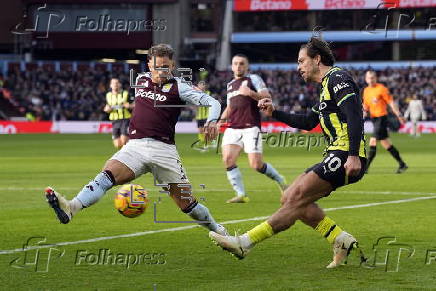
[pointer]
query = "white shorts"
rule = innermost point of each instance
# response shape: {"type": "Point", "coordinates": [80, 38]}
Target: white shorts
{"type": "Point", "coordinates": [149, 155]}
{"type": "Point", "coordinates": [250, 139]}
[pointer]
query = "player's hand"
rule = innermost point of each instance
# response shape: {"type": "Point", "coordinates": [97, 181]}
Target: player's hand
{"type": "Point", "coordinates": [402, 120]}
{"type": "Point", "coordinates": [107, 108]}
{"type": "Point", "coordinates": [210, 131]}
{"type": "Point", "coordinates": [126, 105]}
{"type": "Point", "coordinates": [219, 124]}
{"type": "Point", "coordinates": [266, 106]}
{"type": "Point", "coordinates": [244, 90]}
{"type": "Point", "coordinates": [353, 166]}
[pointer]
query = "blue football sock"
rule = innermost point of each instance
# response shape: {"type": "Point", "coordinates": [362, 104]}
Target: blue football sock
{"type": "Point", "coordinates": [96, 188]}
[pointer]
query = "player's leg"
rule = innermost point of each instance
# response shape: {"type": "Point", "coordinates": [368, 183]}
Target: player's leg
{"type": "Point", "coordinates": [372, 151]}
{"type": "Point", "coordinates": [386, 143]}
{"type": "Point", "coordinates": [256, 162]}
{"type": "Point", "coordinates": [182, 196]}
{"type": "Point", "coordinates": [305, 190]}
{"type": "Point", "coordinates": [114, 173]}
{"type": "Point", "coordinates": [201, 135]}
{"type": "Point", "coordinates": [415, 127]}
{"type": "Point", "coordinates": [124, 138]}
{"type": "Point", "coordinates": [298, 202]}
{"type": "Point", "coordinates": [167, 169]}
{"type": "Point", "coordinates": [116, 134]}
{"type": "Point", "coordinates": [253, 146]}
{"type": "Point", "coordinates": [123, 167]}
{"type": "Point", "coordinates": [231, 148]}
{"type": "Point", "coordinates": [234, 176]}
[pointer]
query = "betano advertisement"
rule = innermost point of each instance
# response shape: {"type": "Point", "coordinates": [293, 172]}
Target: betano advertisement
{"type": "Point", "coordinates": [265, 5]}
{"type": "Point", "coordinates": [11, 127]}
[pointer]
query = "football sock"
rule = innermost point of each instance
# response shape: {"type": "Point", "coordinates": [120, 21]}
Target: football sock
{"type": "Point", "coordinates": [257, 234]}
{"type": "Point", "coordinates": [268, 170]}
{"type": "Point", "coordinates": [394, 152]}
{"type": "Point", "coordinates": [234, 176]}
{"type": "Point", "coordinates": [96, 188]}
{"type": "Point", "coordinates": [202, 139]}
{"type": "Point", "coordinates": [328, 229]}
{"type": "Point", "coordinates": [200, 212]}
{"type": "Point", "coordinates": [75, 206]}
{"type": "Point", "coordinates": [371, 156]}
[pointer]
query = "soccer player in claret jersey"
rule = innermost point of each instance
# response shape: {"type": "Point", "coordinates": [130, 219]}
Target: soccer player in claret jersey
{"type": "Point", "coordinates": [339, 111]}
{"type": "Point", "coordinates": [151, 147]}
{"type": "Point", "coordinates": [244, 131]}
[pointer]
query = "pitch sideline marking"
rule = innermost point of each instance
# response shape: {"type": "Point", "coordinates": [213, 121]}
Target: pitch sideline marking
{"type": "Point", "coordinates": [198, 190]}
{"type": "Point", "coordinates": [3, 252]}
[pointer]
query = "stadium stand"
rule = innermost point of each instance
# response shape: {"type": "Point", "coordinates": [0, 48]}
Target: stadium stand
{"type": "Point", "coordinates": [79, 95]}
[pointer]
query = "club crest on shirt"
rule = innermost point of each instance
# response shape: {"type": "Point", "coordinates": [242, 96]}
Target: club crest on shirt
{"type": "Point", "coordinates": [167, 87]}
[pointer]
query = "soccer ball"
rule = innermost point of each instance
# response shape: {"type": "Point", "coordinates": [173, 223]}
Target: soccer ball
{"type": "Point", "coordinates": [131, 200]}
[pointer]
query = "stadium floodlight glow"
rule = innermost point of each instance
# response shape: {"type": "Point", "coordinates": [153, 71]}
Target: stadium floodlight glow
{"type": "Point", "coordinates": [141, 52]}
{"type": "Point", "coordinates": [133, 62]}
{"type": "Point", "coordinates": [108, 60]}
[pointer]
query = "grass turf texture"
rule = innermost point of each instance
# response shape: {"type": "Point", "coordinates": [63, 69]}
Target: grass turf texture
{"type": "Point", "coordinates": [294, 259]}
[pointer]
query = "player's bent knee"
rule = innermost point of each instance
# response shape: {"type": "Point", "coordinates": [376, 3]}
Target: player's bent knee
{"type": "Point", "coordinates": [229, 161]}
{"type": "Point", "coordinates": [256, 165]}
{"type": "Point", "coordinates": [122, 174]}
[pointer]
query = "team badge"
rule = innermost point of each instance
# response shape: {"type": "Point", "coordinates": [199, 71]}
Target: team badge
{"type": "Point", "coordinates": [167, 87]}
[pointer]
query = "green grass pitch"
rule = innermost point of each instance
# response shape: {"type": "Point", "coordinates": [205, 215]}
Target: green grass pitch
{"type": "Point", "coordinates": [187, 260]}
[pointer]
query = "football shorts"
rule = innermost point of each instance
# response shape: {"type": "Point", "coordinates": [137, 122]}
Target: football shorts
{"type": "Point", "coordinates": [147, 155]}
{"type": "Point", "coordinates": [250, 139]}
{"type": "Point", "coordinates": [120, 127]}
{"type": "Point", "coordinates": [380, 127]}
{"type": "Point", "coordinates": [332, 170]}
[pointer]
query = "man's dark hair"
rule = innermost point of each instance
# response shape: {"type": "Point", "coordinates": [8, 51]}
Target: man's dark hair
{"type": "Point", "coordinates": [161, 50]}
{"type": "Point", "coordinates": [316, 46]}
{"type": "Point", "coordinates": [241, 56]}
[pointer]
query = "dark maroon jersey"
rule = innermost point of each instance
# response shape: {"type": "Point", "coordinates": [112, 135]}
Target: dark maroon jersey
{"type": "Point", "coordinates": [155, 114]}
{"type": "Point", "coordinates": [244, 112]}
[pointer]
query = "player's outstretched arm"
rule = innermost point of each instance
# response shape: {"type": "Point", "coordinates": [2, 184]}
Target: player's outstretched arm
{"type": "Point", "coordinates": [301, 121]}
{"type": "Point", "coordinates": [189, 94]}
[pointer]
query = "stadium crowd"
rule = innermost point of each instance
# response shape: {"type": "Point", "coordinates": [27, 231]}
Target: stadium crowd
{"type": "Point", "coordinates": [80, 95]}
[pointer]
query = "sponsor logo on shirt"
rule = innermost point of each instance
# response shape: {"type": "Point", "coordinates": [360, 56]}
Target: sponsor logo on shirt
{"type": "Point", "coordinates": [340, 86]}
{"type": "Point", "coordinates": [151, 95]}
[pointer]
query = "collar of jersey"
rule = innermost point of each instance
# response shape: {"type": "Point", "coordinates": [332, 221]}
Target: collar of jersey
{"type": "Point", "coordinates": [333, 69]}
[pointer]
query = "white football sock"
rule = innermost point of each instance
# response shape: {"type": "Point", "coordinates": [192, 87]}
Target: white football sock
{"type": "Point", "coordinates": [235, 178]}
{"type": "Point", "coordinates": [272, 173]}
{"type": "Point", "coordinates": [245, 241]}
{"type": "Point", "coordinates": [200, 212]}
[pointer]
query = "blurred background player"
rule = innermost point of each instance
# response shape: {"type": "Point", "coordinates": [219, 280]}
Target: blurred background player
{"type": "Point", "coordinates": [151, 147]}
{"type": "Point", "coordinates": [376, 99]}
{"type": "Point", "coordinates": [244, 131]}
{"type": "Point", "coordinates": [339, 111]}
{"type": "Point", "coordinates": [118, 108]}
{"type": "Point", "coordinates": [416, 112]}
{"type": "Point", "coordinates": [201, 117]}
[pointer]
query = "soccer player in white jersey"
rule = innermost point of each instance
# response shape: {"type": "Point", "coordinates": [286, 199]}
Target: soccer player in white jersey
{"type": "Point", "coordinates": [151, 146]}
{"type": "Point", "coordinates": [416, 112]}
{"type": "Point", "coordinates": [244, 131]}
